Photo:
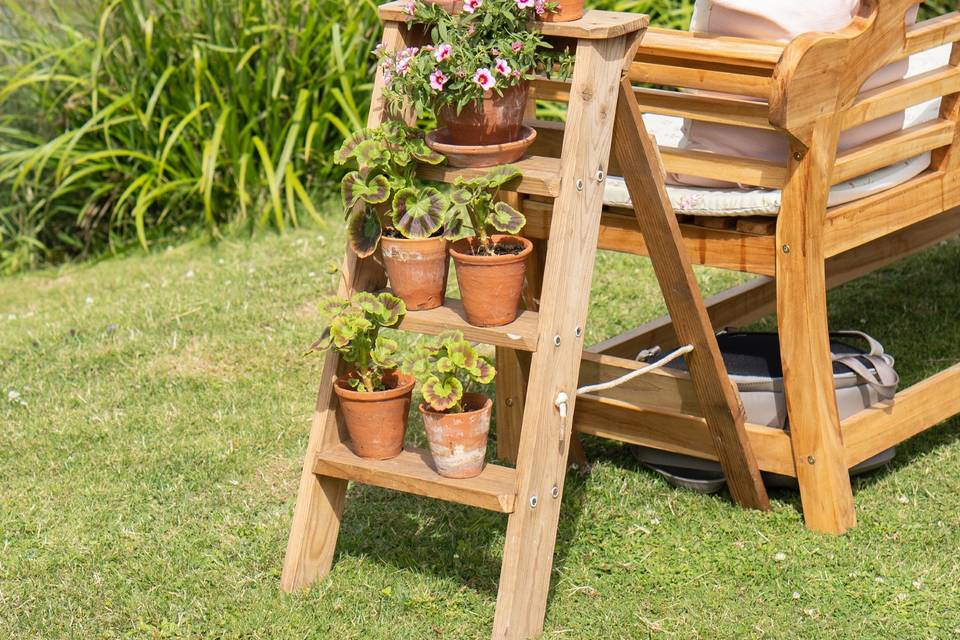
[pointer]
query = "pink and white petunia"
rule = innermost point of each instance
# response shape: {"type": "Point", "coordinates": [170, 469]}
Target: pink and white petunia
{"type": "Point", "coordinates": [438, 80]}
{"type": "Point", "coordinates": [443, 52]}
{"type": "Point", "coordinates": [517, 46]}
{"type": "Point", "coordinates": [526, 4]}
{"type": "Point", "coordinates": [471, 6]}
{"type": "Point", "coordinates": [485, 79]}
{"type": "Point", "coordinates": [503, 67]}
{"type": "Point", "coordinates": [409, 7]}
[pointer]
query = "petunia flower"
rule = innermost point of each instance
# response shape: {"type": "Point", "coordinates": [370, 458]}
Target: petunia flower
{"type": "Point", "coordinates": [526, 4]}
{"type": "Point", "coordinates": [471, 6]}
{"type": "Point", "coordinates": [437, 80]}
{"type": "Point", "coordinates": [503, 67]}
{"type": "Point", "coordinates": [443, 52]}
{"type": "Point", "coordinates": [485, 79]}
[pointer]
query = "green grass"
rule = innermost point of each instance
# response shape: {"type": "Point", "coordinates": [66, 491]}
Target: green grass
{"type": "Point", "coordinates": [147, 479]}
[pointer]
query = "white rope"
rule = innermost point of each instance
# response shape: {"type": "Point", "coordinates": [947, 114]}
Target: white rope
{"type": "Point", "coordinates": [659, 364]}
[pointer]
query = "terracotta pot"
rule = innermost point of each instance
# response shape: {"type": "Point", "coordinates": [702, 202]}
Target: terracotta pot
{"type": "Point", "coordinates": [491, 285]}
{"type": "Point", "coordinates": [458, 441]}
{"type": "Point", "coordinates": [568, 11]}
{"type": "Point", "coordinates": [496, 120]}
{"type": "Point", "coordinates": [418, 270]}
{"type": "Point", "coordinates": [376, 422]}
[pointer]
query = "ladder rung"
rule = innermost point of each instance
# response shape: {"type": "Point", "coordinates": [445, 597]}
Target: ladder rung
{"type": "Point", "coordinates": [541, 175]}
{"type": "Point", "coordinates": [520, 334]}
{"type": "Point", "coordinates": [412, 472]}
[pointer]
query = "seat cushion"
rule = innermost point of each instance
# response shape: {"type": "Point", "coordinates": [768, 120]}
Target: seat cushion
{"type": "Point", "coordinates": [705, 201]}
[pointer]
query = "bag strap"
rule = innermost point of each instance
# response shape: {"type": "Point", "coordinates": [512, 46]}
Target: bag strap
{"type": "Point", "coordinates": [885, 380]}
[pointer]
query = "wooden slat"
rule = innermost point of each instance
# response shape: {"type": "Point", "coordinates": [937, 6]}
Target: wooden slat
{"type": "Point", "coordinates": [519, 334]}
{"type": "Point", "coordinates": [663, 389]}
{"type": "Point", "coordinates": [541, 175]}
{"type": "Point", "coordinates": [932, 33]}
{"type": "Point", "coordinates": [412, 472]}
{"type": "Point", "coordinates": [710, 48]}
{"type": "Point", "coordinates": [712, 247]}
{"type": "Point", "coordinates": [899, 95]}
{"type": "Point", "coordinates": [747, 171]}
{"type": "Point", "coordinates": [706, 108]}
{"type": "Point", "coordinates": [671, 73]}
{"type": "Point", "coordinates": [922, 406]}
{"type": "Point", "coordinates": [892, 148]}
{"type": "Point", "coordinates": [595, 25]}
{"type": "Point", "coordinates": [634, 423]}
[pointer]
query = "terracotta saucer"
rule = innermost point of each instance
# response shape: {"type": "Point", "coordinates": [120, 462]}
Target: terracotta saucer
{"type": "Point", "coordinates": [475, 156]}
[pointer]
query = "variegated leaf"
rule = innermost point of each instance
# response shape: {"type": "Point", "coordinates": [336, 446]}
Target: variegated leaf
{"type": "Point", "coordinates": [418, 214]}
{"type": "Point", "coordinates": [445, 365]}
{"type": "Point", "coordinates": [501, 175]}
{"type": "Point", "coordinates": [350, 144]}
{"type": "Point", "coordinates": [461, 197]}
{"type": "Point", "coordinates": [442, 396]}
{"type": "Point", "coordinates": [393, 309]}
{"type": "Point", "coordinates": [377, 191]}
{"type": "Point", "coordinates": [368, 303]}
{"type": "Point", "coordinates": [506, 219]}
{"type": "Point", "coordinates": [332, 305]}
{"type": "Point", "coordinates": [484, 372]}
{"type": "Point", "coordinates": [364, 230]}
{"type": "Point", "coordinates": [352, 190]}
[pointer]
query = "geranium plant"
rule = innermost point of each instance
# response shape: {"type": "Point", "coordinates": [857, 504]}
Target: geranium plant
{"type": "Point", "coordinates": [382, 194]}
{"type": "Point", "coordinates": [474, 207]}
{"type": "Point", "coordinates": [445, 365]}
{"type": "Point", "coordinates": [353, 329]}
{"type": "Point", "coordinates": [486, 46]}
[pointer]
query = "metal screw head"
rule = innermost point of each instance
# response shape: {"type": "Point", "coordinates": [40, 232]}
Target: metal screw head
{"type": "Point", "coordinates": [811, 460]}
{"type": "Point", "coordinates": [786, 248]}
{"type": "Point", "coordinates": [798, 156]}
{"type": "Point", "coordinates": [579, 331]}
{"type": "Point", "coordinates": [509, 402]}
{"type": "Point", "coordinates": [555, 492]}
{"type": "Point", "coordinates": [600, 176]}
{"type": "Point", "coordinates": [534, 502]}
{"type": "Point", "coordinates": [579, 185]}
{"type": "Point", "coordinates": [556, 340]}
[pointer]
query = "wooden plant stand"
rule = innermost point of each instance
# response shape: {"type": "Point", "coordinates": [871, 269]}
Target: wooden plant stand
{"type": "Point", "coordinates": [540, 354]}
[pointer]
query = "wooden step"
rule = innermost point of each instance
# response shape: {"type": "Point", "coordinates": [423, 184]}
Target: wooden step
{"type": "Point", "coordinates": [541, 175]}
{"type": "Point", "coordinates": [520, 334]}
{"type": "Point", "coordinates": [412, 472]}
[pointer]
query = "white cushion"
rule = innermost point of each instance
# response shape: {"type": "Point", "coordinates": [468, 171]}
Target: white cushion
{"type": "Point", "coordinates": [702, 201]}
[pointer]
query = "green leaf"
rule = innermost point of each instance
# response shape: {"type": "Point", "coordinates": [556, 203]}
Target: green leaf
{"type": "Point", "coordinates": [461, 197]}
{"type": "Point", "coordinates": [393, 309]}
{"type": "Point", "coordinates": [384, 354]}
{"type": "Point", "coordinates": [364, 230]}
{"type": "Point", "coordinates": [352, 188]}
{"type": "Point", "coordinates": [442, 396]}
{"type": "Point", "coordinates": [332, 305]}
{"type": "Point", "coordinates": [349, 146]}
{"type": "Point", "coordinates": [484, 372]}
{"type": "Point", "coordinates": [369, 303]}
{"type": "Point", "coordinates": [418, 214]}
{"type": "Point", "coordinates": [506, 219]}
{"type": "Point", "coordinates": [501, 175]}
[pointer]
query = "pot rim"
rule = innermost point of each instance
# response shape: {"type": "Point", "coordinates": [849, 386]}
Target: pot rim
{"type": "Point", "coordinates": [436, 141]}
{"type": "Point", "coordinates": [467, 258]}
{"type": "Point", "coordinates": [404, 386]}
{"type": "Point", "coordinates": [487, 406]}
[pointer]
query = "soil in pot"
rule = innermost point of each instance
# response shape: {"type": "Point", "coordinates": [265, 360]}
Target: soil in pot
{"type": "Point", "coordinates": [376, 422]}
{"type": "Point", "coordinates": [490, 285]}
{"type": "Point", "coordinates": [458, 441]}
{"type": "Point", "coordinates": [495, 120]}
{"type": "Point", "coordinates": [568, 11]}
{"type": "Point", "coordinates": [417, 270]}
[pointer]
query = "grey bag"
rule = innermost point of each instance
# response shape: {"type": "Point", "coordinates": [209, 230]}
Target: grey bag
{"type": "Point", "coordinates": [862, 379]}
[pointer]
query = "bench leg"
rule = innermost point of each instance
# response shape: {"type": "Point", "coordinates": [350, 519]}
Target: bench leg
{"type": "Point", "coordinates": [814, 422]}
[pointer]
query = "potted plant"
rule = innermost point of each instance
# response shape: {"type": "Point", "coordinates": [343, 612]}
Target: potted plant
{"type": "Point", "coordinates": [386, 208]}
{"type": "Point", "coordinates": [374, 396]}
{"type": "Point", "coordinates": [562, 11]}
{"type": "Point", "coordinates": [491, 266]}
{"type": "Point", "coordinates": [474, 77]}
{"type": "Point", "coordinates": [457, 423]}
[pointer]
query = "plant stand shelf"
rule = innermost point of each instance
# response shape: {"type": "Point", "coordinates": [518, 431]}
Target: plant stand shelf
{"type": "Point", "coordinates": [539, 356]}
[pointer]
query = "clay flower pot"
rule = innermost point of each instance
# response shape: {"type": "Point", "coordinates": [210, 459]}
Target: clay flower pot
{"type": "Point", "coordinates": [491, 285]}
{"type": "Point", "coordinates": [417, 270]}
{"type": "Point", "coordinates": [450, 6]}
{"type": "Point", "coordinates": [496, 120]}
{"type": "Point", "coordinates": [568, 11]}
{"type": "Point", "coordinates": [458, 441]}
{"type": "Point", "coordinates": [376, 422]}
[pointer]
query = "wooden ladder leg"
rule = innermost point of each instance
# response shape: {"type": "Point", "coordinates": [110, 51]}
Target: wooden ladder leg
{"type": "Point", "coordinates": [814, 421]}
{"type": "Point", "coordinates": [545, 437]}
{"type": "Point", "coordinates": [320, 500]}
{"type": "Point", "coordinates": [639, 160]}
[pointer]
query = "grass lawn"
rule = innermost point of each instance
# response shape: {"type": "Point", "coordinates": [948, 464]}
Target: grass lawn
{"type": "Point", "coordinates": [154, 413]}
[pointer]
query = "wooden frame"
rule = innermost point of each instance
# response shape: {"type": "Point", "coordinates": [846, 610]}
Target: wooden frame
{"type": "Point", "coordinates": [806, 91]}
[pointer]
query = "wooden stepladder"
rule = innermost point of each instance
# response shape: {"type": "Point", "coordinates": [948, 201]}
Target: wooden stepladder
{"type": "Point", "coordinates": [542, 349]}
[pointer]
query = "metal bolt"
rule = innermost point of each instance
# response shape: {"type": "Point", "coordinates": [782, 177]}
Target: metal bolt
{"type": "Point", "coordinates": [579, 185]}
{"type": "Point", "coordinates": [786, 248]}
{"type": "Point", "coordinates": [798, 156]}
{"type": "Point", "coordinates": [556, 340]}
{"type": "Point", "coordinates": [579, 331]}
{"type": "Point", "coordinates": [811, 460]}
{"type": "Point", "coordinates": [534, 502]}
{"type": "Point", "coordinates": [600, 176]}
{"type": "Point", "coordinates": [555, 492]}
{"type": "Point", "coordinates": [509, 402]}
